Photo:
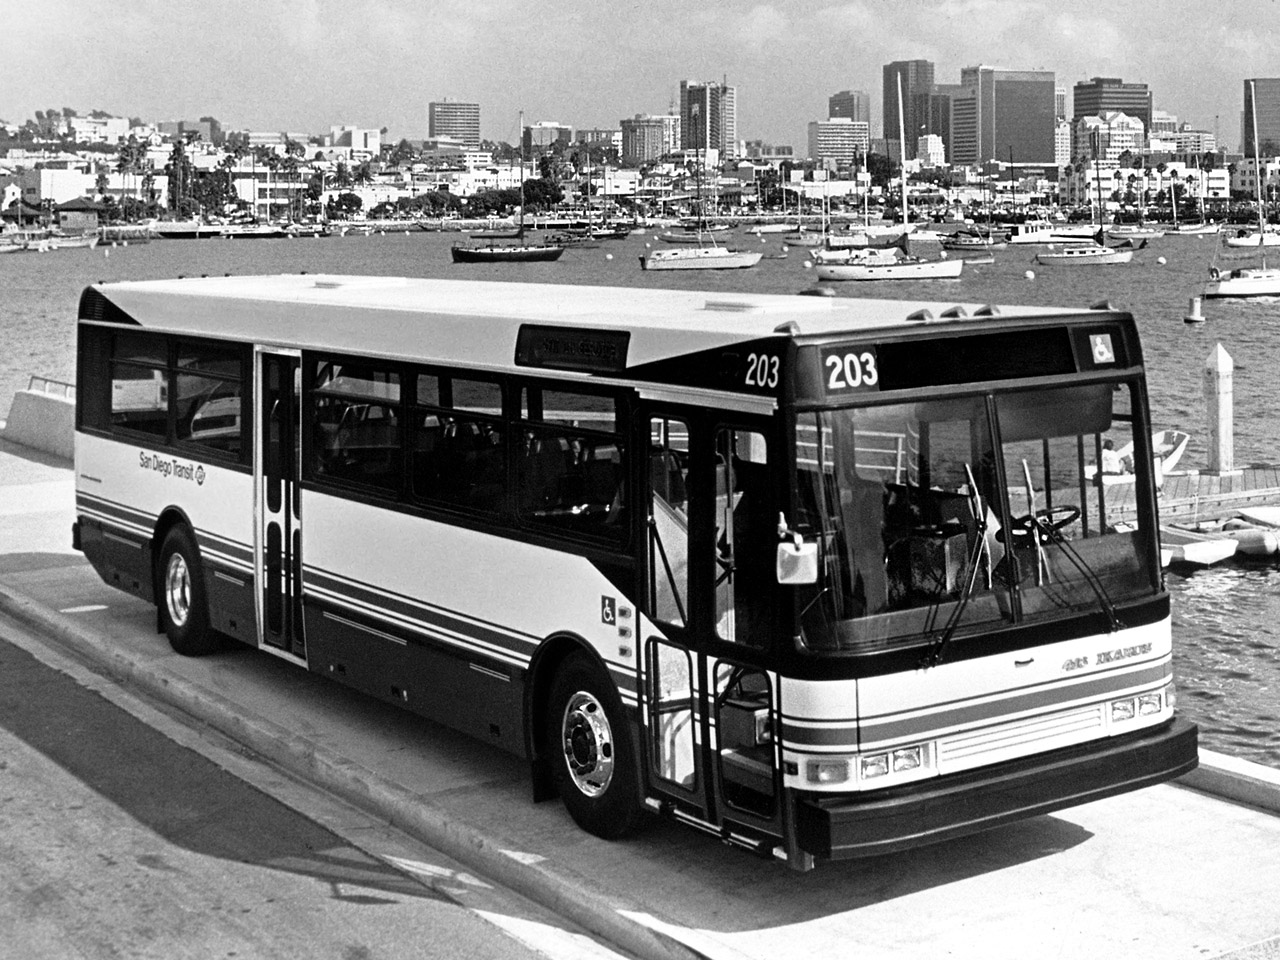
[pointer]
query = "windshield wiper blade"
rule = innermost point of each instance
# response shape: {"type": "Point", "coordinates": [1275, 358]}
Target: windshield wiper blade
{"type": "Point", "coordinates": [1055, 536]}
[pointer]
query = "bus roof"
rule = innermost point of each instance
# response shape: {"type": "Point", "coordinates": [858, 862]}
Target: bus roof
{"type": "Point", "coordinates": [478, 322]}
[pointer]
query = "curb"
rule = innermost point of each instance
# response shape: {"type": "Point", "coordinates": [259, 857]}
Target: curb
{"type": "Point", "coordinates": [557, 889]}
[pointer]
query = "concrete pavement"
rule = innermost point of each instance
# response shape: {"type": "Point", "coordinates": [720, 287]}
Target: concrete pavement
{"type": "Point", "coordinates": [1166, 872]}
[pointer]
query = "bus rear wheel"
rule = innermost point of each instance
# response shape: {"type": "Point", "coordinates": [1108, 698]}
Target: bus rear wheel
{"type": "Point", "coordinates": [591, 751]}
{"type": "Point", "coordinates": [184, 609]}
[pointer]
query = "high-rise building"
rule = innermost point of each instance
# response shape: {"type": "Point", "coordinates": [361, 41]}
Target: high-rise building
{"type": "Point", "coordinates": [1012, 116]}
{"type": "Point", "coordinates": [709, 117]}
{"type": "Point", "coordinates": [916, 81]}
{"type": "Point", "coordinates": [1263, 95]}
{"type": "Point", "coordinates": [1100, 95]}
{"type": "Point", "coordinates": [646, 138]}
{"type": "Point", "coordinates": [450, 118]}
{"type": "Point", "coordinates": [538, 137]}
{"type": "Point", "coordinates": [854, 104]}
{"type": "Point", "coordinates": [838, 139]}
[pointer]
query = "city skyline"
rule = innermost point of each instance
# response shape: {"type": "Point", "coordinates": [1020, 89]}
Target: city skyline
{"type": "Point", "coordinates": [314, 63]}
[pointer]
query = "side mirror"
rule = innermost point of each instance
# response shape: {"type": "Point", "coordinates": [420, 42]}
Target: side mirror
{"type": "Point", "coordinates": [797, 562]}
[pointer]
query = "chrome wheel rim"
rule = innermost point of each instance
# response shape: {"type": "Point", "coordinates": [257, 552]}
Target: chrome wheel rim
{"type": "Point", "coordinates": [177, 589]}
{"type": "Point", "coordinates": [587, 740]}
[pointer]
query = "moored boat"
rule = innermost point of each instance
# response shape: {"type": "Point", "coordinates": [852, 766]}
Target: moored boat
{"type": "Point", "coordinates": [1255, 281]}
{"type": "Point", "coordinates": [1084, 254]}
{"type": "Point", "coordinates": [705, 257]}
{"type": "Point", "coordinates": [899, 268]}
{"type": "Point", "coordinates": [506, 252]}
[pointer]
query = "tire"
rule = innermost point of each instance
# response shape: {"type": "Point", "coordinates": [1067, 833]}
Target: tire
{"type": "Point", "coordinates": [180, 595]}
{"type": "Point", "coordinates": [591, 751]}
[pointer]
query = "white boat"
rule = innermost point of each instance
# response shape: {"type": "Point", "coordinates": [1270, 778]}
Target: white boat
{"type": "Point", "coordinates": [1133, 231]}
{"type": "Point", "coordinates": [900, 268]}
{"type": "Point", "coordinates": [1194, 229]}
{"type": "Point", "coordinates": [705, 257]}
{"type": "Point", "coordinates": [772, 228]}
{"type": "Point", "coordinates": [1044, 231]}
{"type": "Point", "coordinates": [1254, 238]}
{"type": "Point", "coordinates": [855, 255]}
{"type": "Point", "coordinates": [1258, 281]}
{"type": "Point", "coordinates": [1084, 254]}
{"type": "Point", "coordinates": [1167, 448]}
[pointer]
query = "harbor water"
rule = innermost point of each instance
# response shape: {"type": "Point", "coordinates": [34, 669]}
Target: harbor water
{"type": "Point", "coordinates": [1226, 620]}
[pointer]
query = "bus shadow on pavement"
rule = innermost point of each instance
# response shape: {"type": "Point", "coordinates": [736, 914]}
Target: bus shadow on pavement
{"type": "Point", "coordinates": [183, 797]}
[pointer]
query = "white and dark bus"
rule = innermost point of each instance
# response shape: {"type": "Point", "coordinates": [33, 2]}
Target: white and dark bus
{"type": "Point", "coordinates": [825, 577]}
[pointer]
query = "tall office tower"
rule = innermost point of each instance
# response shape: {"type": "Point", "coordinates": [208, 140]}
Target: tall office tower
{"type": "Point", "coordinates": [917, 80]}
{"type": "Point", "coordinates": [1059, 101]}
{"type": "Point", "coordinates": [1262, 94]}
{"type": "Point", "coordinates": [1012, 116]}
{"type": "Point", "coordinates": [1103, 94]}
{"type": "Point", "coordinates": [854, 104]}
{"type": "Point", "coordinates": [938, 115]}
{"type": "Point", "coordinates": [449, 118]}
{"type": "Point", "coordinates": [647, 138]}
{"type": "Point", "coordinates": [709, 117]}
{"type": "Point", "coordinates": [728, 120]}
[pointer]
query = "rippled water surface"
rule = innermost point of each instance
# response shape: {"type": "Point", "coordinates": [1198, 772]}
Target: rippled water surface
{"type": "Point", "coordinates": [1226, 620]}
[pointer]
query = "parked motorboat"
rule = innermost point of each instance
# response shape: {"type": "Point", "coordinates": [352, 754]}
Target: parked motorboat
{"type": "Point", "coordinates": [708, 256]}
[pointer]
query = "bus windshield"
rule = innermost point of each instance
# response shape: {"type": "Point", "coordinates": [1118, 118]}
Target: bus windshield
{"type": "Point", "coordinates": [930, 526]}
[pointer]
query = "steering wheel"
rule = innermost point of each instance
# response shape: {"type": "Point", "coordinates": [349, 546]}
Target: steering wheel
{"type": "Point", "coordinates": [1042, 524]}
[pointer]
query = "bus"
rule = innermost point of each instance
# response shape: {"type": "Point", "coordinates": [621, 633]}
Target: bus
{"type": "Point", "coordinates": [824, 577]}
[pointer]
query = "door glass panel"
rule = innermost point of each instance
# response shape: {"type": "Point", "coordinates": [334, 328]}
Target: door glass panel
{"type": "Point", "coordinates": [746, 531]}
{"type": "Point", "coordinates": [744, 731]}
{"type": "Point", "coordinates": [671, 714]}
{"type": "Point", "coordinates": [668, 520]}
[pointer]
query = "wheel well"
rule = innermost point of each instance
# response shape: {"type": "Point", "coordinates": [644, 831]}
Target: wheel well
{"type": "Point", "coordinates": [542, 673]}
{"type": "Point", "coordinates": [170, 518]}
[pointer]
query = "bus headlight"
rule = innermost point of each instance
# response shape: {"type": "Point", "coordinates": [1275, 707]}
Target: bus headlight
{"type": "Point", "coordinates": [880, 769]}
{"type": "Point", "coordinates": [1121, 710]}
{"type": "Point", "coordinates": [1148, 704]}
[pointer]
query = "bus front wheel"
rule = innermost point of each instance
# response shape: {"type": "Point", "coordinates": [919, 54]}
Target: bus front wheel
{"type": "Point", "coordinates": [184, 611]}
{"type": "Point", "coordinates": [591, 751]}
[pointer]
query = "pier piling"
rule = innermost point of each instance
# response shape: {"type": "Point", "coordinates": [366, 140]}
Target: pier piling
{"type": "Point", "coordinates": [1217, 385]}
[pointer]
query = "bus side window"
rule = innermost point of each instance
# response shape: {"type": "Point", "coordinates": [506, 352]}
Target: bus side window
{"type": "Point", "coordinates": [668, 553]}
{"type": "Point", "coordinates": [746, 522]}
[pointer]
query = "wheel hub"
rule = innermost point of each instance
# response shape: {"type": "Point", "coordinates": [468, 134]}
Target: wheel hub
{"type": "Point", "coordinates": [588, 744]}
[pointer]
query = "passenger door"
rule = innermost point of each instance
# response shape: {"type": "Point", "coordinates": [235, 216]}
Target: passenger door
{"type": "Point", "coordinates": [278, 513]}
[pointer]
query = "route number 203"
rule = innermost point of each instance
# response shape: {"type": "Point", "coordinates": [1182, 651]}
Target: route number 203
{"type": "Point", "coordinates": [852, 370]}
{"type": "Point", "coordinates": [762, 370]}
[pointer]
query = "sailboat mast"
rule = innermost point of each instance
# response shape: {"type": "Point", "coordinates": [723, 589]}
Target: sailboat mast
{"type": "Point", "coordinates": [1257, 176]}
{"type": "Point", "coordinates": [902, 150]}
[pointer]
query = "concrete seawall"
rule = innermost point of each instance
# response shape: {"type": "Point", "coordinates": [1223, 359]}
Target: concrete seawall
{"type": "Point", "coordinates": [42, 420]}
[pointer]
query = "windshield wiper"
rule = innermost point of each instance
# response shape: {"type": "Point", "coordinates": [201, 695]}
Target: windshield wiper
{"type": "Point", "coordinates": [1053, 534]}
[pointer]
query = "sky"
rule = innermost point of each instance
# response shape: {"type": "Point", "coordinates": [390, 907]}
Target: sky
{"type": "Point", "coordinates": [306, 65]}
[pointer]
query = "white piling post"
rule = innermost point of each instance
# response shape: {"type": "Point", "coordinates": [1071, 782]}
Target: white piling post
{"type": "Point", "coordinates": [1219, 407]}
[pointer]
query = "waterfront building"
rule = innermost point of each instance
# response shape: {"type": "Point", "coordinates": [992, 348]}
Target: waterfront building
{"type": "Point", "coordinates": [1011, 115]}
{"type": "Point", "coordinates": [364, 144]}
{"type": "Point", "coordinates": [646, 137]}
{"type": "Point", "coordinates": [1091, 98]}
{"type": "Point", "coordinates": [917, 81]}
{"type": "Point", "coordinates": [452, 118]}
{"type": "Point", "coordinates": [838, 140]}
{"type": "Point", "coordinates": [708, 117]}
{"type": "Point", "coordinates": [1110, 134]}
{"type": "Point", "coordinates": [1244, 179]}
{"type": "Point", "coordinates": [539, 137]}
{"type": "Point", "coordinates": [929, 151]}
{"type": "Point", "coordinates": [854, 104]}
{"type": "Point", "coordinates": [99, 129]}
{"type": "Point", "coordinates": [1261, 96]}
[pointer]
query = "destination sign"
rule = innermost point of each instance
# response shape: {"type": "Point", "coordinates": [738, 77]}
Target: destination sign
{"type": "Point", "coordinates": [572, 348]}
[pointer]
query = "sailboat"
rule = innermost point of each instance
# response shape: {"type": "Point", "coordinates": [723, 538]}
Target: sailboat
{"type": "Point", "coordinates": [1248, 281]}
{"type": "Point", "coordinates": [1094, 252]}
{"type": "Point", "coordinates": [905, 267]}
{"type": "Point", "coordinates": [703, 253]}
{"type": "Point", "coordinates": [518, 252]}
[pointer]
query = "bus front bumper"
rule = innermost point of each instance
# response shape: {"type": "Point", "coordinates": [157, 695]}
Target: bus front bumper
{"type": "Point", "coordinates": [845, 827]}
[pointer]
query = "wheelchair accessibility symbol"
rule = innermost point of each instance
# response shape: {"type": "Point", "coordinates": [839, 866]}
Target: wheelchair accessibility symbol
{"type": "Point", "coordinates": [608, 610]}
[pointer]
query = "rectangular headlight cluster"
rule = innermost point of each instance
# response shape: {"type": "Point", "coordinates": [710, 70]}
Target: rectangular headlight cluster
{"type": "Point", "coordinates": [1143, 705]}
{"type": "Point", "coordinates": [874, 769]}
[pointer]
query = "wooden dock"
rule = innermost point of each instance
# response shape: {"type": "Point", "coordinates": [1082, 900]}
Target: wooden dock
{"type": "Point", "coordinates": [1190, 497]}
